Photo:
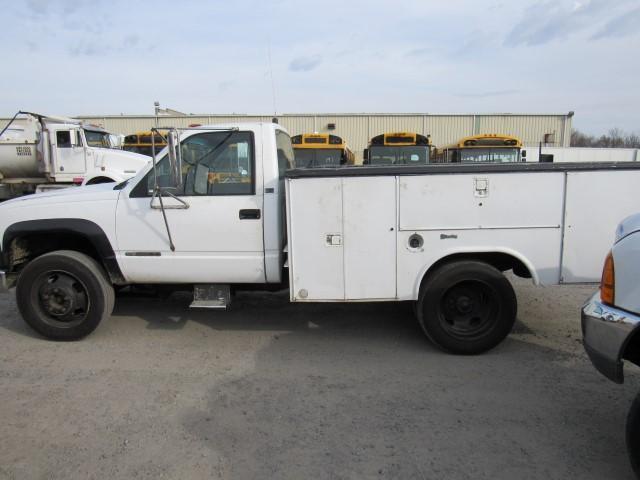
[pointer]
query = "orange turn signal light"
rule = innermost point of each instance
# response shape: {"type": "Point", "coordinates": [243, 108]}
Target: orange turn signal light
{"type": "Point", "coordinates": [608, 282]}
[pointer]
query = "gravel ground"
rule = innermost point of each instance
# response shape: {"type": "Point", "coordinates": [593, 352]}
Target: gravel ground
{"type": "Point", "coordinates": [274, 390]}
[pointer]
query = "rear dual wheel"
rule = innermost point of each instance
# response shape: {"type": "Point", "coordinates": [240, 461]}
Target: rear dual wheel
{"type": "Point", "coordinates": [64, 295]}
{"type": "Point", "coordinates": [467, 307]}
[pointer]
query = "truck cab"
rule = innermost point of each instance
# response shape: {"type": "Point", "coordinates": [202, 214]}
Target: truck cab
{"type": "Point", "coordinates": [85, 154]}
{"type": "Point", "coordinates": [235, 174]}
{"type": "Point", "coordinates": [41, 152]}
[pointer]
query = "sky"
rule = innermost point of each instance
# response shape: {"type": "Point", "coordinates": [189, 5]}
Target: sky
{"type": "Point", "coordinates": [78, 57]}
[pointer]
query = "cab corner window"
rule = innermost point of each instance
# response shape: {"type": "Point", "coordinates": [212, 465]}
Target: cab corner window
{"type": "Point", "coordinates": [285, 152]}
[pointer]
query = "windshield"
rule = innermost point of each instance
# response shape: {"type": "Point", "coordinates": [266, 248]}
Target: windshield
{"type": "Point", "coordinates": [407, 155]}
{"type": "Point", "coordinates": [97, 139]}
{"type": "Point", "coordinates": [318, 157]}
{"type": "Point", "coordinates": [499, 155]}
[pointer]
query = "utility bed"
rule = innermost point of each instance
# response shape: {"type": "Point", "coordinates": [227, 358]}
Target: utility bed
{"type": "Point", "coordinates": [371, 233]}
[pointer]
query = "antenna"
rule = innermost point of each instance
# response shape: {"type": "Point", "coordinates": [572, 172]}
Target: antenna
{"type": "Point", "coordinates": [273, 85]}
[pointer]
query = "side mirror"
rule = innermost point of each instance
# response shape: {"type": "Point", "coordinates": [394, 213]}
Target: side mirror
{"type": "Point", "coordinates": [365, 156]}
{"type": "Point", "coordinates": [523, 155]}
{"type": "Point", "coordinates": [175, 159]}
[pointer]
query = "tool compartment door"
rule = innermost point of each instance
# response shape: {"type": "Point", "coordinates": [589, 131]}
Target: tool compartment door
{"type": "Point", "coordinates": [314, 223]}
{"type": "Point", "coordinates": [596, 202]}
{"type": "Point", "coordinates": [369, 219]}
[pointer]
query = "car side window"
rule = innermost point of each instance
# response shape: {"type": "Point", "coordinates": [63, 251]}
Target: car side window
{"type": "Point", "coordinates": [285, 152]}
{"type": "Point", "coordinates": [63, 139]}
{"type": "Point", "coordinates": [213, 163]}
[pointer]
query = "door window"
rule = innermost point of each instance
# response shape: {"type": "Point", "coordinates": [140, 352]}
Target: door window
{"type": "Point", "coordinates": [63, 139]}
{"type": "Point", "coordinates": [213, 163]}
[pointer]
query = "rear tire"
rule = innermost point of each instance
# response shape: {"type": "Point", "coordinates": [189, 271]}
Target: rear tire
{"type": "Point", "coordinates": [633, 435]}
{"type": "Point", "coordinates": [64, 295]}
{"type": "Point", "coordinates": [467, 307]}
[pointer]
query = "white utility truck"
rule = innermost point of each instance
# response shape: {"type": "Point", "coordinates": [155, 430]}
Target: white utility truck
{"type": "Point", "coordinates": [220, 211]}
{"type": "Point", "coordinates": [40, 152]}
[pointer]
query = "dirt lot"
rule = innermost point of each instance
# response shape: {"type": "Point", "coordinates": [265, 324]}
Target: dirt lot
{"type": "Point", "coordinates": [273, 390]}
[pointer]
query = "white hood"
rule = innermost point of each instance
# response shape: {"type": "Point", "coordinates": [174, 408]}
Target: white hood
{"type": "Point", "coordinates": [627, 226]}
{"type": "Point", "coordinates": [102, 191]}
{"type": "Point", "coordinates": [95, 203]}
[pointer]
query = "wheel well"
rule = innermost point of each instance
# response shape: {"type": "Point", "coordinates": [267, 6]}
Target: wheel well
{"type": "Point", "coordinates": [499, 260]}
{"type": "Point", "coordinates": [25, 248]}
{"type": "Point", "coordinates": [96, 180]}
{"type": "Point", "coordinates": [632, 348]}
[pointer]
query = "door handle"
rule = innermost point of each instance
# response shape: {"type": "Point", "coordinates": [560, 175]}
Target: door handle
{"type": "Point", "coordinates": [250, 214]}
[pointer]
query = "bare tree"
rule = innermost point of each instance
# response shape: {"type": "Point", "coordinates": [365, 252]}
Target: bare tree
{"type": "Point", "coordinates": [615, 138]}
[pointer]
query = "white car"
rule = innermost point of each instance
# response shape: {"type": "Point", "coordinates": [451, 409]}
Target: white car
{"type": "Point", "coordinates": [611, 320]}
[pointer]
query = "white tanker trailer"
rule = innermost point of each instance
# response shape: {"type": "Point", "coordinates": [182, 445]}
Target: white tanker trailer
{"type": "Point", "coordinates": [40, 152]}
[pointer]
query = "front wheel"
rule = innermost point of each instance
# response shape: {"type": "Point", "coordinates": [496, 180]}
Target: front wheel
{"type": "Point", "coordinates": [467, 307]}
{"type": "Point", "coordinates": [633, 435]}
{"type": "Point", "coordinates": [64, 295]}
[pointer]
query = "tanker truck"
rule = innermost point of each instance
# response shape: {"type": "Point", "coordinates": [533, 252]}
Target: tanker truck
{"type": "Point", "coordinates": [41, 152]}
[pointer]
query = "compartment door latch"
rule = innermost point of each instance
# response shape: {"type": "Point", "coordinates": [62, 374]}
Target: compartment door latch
{"type": "Point", "coordinates": [334, 239]}
{"type": "Point", "coordinates": [481, 187]}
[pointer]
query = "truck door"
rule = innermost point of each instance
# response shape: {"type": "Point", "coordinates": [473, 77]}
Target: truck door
{"type": "Point", "coordinates": [68, 152]}
{"type": "Point", "coordinates": [219, 237]}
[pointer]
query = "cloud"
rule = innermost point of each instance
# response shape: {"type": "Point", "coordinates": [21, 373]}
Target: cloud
{"type": "Point", "coordinates": [38, 8]}
{"type": "Point", "coordinates": [130, 41]}
{"type": "Point", "coordinates": [93, 48]}
{"type": "Point", "coordinates": [552, 20]}
{"type": "Point", "coordinates": [305, 64]}
{"type": "Point", "coordinates": [226, 85]}
{"type": "Point", "coordinates": [420, 52]}
{"type": "Point", "coordinates": [495, 93]}
{"type": "Point", "coordinates": [88, 48]}
{"type": "Point", "coordinates": [620, 26]}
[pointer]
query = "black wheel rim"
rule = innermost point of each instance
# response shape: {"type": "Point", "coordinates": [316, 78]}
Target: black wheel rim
{"type": "Point", "coordinates": [62, 299]}
{"type": "Point", "coordinates": [469, 309]}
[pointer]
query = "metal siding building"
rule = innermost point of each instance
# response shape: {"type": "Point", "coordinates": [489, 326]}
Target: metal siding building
{"type": "Point", "coordinates": [358, 128]}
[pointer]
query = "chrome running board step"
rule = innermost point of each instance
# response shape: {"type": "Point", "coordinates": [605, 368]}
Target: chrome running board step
{"type": "Point", "coordinates": [211, 295]}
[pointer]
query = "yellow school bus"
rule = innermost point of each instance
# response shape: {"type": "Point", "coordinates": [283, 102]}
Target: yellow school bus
{"type": "Point", "coordinates": [399, 148]}
{"type": "Point", "coordinates": [140, 142]}
{"type": "Point", "coordinates": [486, 147]}
{"type": "Point", "coordinates": [320, 150]}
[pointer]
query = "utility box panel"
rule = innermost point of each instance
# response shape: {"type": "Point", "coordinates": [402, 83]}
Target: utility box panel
{"type": "Point", "coordinates": [596, 202]}
{"type": "Point", "coordinates": [342, 238]}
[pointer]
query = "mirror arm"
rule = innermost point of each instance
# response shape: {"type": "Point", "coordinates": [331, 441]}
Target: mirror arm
{"type": "Point", "coordinates": [157, 190]}
{"type": "Point", "coordinates": [166, 222]}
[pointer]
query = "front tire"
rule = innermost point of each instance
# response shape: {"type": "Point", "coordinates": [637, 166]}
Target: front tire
{"type": "Point", "coordinates": [467, 307]}
{"type": "Point", "coordinates": [633, 435]}
{"type": "Point", "coordinates": [64, 295]}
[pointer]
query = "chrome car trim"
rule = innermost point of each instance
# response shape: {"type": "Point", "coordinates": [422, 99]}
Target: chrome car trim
{"type": "Point", "coordinates": [605, 332]}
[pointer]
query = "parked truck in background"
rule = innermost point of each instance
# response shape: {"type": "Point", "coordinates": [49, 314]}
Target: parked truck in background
{"type": "Point", "coordinates": [219, 211]}
{"type": "Point", "coordinates": [40, 152]}
{"type": "Point", "coordinates": [611, 321]}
